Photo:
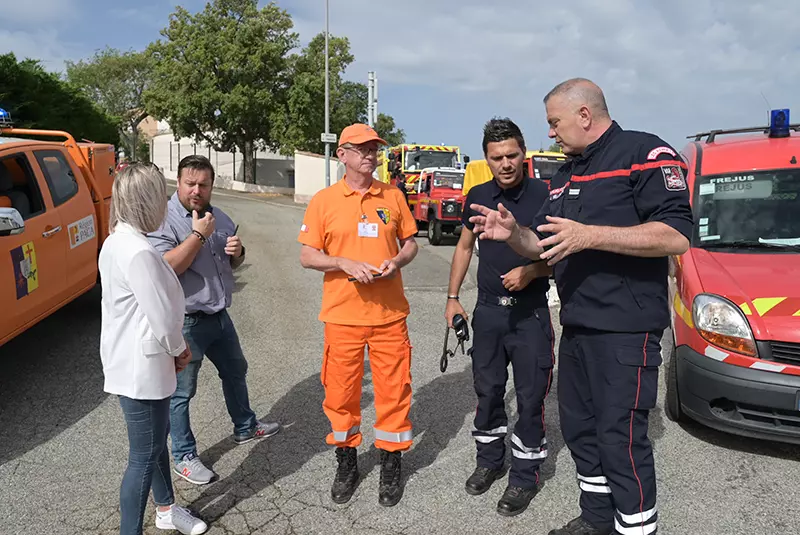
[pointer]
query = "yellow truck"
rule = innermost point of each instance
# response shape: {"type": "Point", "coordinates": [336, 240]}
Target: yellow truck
{"type": "Point", "coordinates": [538, 164]}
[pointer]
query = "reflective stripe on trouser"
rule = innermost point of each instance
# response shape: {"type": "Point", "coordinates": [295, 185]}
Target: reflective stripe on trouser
{"type": "Point", "coordinates": [607, 383]}
{"type": "Point", "coordinates": [342, 373]}
{"type": "Point", "coordinates": [524, 338]}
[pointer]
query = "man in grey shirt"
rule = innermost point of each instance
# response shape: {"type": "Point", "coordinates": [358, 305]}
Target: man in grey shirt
{"type": "Point", "coordinates": [199, 241]}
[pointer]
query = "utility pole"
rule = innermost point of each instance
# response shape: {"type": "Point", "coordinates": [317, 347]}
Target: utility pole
{"type": "Point", "coordinates": [326, 136]}
{"type": "Point", "coordinates": [371, 98]}
{"type": "Point", "coordinates": [375, 97]}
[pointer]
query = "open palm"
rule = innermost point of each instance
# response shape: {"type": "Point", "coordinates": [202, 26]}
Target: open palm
{"type": "Point", "coordinates": [493, 224]}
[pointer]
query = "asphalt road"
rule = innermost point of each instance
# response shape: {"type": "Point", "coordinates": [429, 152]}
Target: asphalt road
{"type": "Point", "coordinates": [63, 445]}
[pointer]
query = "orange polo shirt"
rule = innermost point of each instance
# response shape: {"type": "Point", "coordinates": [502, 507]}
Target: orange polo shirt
{"type": "Point", "coordinates": [341, 222]}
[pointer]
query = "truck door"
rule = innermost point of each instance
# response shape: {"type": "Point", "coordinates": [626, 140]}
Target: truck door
{"type": "Point", "coordinates": [73, 200]}
{"type": "Point", "coordinates": [32, 268]}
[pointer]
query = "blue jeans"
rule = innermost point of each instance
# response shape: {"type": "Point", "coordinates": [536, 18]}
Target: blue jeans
{"type": "Point", "coordinates": [148, 461]}
{"type": "Point", "coordinates": [215, 337]}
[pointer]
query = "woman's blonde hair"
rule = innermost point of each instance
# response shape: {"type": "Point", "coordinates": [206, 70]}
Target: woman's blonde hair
{"type": "Point", "coordinates": [138, 198]}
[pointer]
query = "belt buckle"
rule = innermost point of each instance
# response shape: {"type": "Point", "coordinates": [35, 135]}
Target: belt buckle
{"type": "Point", "coordinates": [506, 301]}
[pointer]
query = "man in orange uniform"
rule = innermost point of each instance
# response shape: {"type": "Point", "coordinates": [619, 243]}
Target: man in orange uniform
{"type": "Point", "coordinates": [360, 233]}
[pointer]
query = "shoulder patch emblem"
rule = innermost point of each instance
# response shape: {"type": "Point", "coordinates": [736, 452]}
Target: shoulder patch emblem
{"type": "Point", "coordinates": [303, 228]}
{"type": "Point", "coordinates": [653, 154]}
{"type": "Point", "coordinates": [385, 215]}
{"type": "Point", "coordinates": [558, 192]}
{"type": "Point", "coordinates": [673, 177]}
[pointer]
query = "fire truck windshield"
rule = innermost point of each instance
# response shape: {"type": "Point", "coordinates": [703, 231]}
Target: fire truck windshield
{"type": "Point", "coordinates": [420, 159]}
{"type": "Point", "coordinates": [546, 168]}
{"type": "Point", "coordinates": [749, 210]}
{"type": "Point", "coordinates": [443, 179]}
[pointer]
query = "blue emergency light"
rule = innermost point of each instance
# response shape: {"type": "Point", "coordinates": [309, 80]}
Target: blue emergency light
{"type": "Point", "coordinates": [779, 123]}
{"type": "Point", "coordinates": [5, 118]}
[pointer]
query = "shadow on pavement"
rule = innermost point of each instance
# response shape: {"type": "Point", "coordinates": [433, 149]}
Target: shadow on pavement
{"type": "Point", "coordinates": [52, 377]}
{"type": "Point", "coordinates": [270, 460]}
{"type": "Point", "coordinates": [754, 446]}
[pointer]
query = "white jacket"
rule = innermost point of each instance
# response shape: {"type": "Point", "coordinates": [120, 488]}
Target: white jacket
{"type": "Point", "coordinates": [142, 311]}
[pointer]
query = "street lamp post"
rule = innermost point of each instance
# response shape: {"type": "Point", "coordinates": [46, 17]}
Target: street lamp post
{"type": "Point", "coordinates": [327, 106]}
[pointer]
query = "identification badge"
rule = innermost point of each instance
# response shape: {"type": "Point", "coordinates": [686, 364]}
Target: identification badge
{"type": "Point", "coordinates": [368, 230]}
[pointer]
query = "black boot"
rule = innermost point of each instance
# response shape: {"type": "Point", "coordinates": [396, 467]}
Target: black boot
{"type": "Point", "coordinates": [579, 526]}
{"type": "Point", "coordinates": [515, 500]}
{"type": "Point", "coordinates": [481, 479]}
{"type": "Point", "coordinates": [346, 479]}
{"type": "Point", "coordinates": [390, 490]}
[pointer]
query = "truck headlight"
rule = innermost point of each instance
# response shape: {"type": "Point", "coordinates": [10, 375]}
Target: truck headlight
{"type": "Point", "coordinates": [723, 324]}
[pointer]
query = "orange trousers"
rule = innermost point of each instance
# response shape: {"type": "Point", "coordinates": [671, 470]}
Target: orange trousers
{"type": "Point", "coordinates": [389, 350]}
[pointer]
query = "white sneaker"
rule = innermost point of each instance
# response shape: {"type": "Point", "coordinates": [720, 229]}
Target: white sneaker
{"type": "Point", "coordinates": [181, 519]}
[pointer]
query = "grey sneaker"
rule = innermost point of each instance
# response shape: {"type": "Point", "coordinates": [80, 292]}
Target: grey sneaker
{"type": "Point", "coordinates": [193, 470]}
{"type": "Point", "coordinates": [261, 430]}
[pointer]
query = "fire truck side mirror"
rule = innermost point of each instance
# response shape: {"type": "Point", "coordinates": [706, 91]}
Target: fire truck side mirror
{"type": "Point", "coordinates": [466, 159]}
{"type": "Point", "coordinates": [391, 165]}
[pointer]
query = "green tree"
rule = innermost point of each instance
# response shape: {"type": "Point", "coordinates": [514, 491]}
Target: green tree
{"type": "Point", "coordinates": [221, 75]}
{"type": "Point", "coordinates": [388, 131]}
{"type": "Point", "coordinates": [39, 99]}
{"type": "Point", "coordinates": [555, 147]}
{"type": "Point", "coordinates": [116, 81]}
{"type": "Point", "coordinates": [304, 121]}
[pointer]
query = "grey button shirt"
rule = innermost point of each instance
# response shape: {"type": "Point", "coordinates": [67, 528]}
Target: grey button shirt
{"type": "Point", "coordinates": [208, 283]}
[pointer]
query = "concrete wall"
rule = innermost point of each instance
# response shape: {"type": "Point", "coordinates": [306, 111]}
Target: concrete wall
{"type": "Point", "coordinates": [275, 173]}
{"type": "Point", "coordinates": [309, 174]}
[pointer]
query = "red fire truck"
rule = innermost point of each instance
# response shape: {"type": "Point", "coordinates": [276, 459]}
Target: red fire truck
{"type": "Point", "coordinates": [438, 201]}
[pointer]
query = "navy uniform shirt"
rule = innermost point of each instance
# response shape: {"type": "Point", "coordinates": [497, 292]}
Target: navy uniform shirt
{"type": "Point", "coordinates": [623, 179]}
{"type": "Point", "coordinates": [498, 258]}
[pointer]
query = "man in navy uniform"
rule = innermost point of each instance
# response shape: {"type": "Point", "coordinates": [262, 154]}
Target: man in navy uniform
{"type": "Point", "coordinates": [511, 323]}
{"type": "Point", "coordinates": [615, 213]}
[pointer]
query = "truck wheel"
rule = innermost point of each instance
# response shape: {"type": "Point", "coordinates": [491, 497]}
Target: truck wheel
{"type": "Point", "coordinates": [435, 232]}
{"type": "Point", "coordinates": [672, 404]}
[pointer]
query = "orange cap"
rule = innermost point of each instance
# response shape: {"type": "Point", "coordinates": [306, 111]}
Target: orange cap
{"type": "Point", "coordinates": [359, 133]}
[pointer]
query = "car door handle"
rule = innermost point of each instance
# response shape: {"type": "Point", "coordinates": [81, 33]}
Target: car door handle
{"type": "Point", "coordinates": [51, 232]}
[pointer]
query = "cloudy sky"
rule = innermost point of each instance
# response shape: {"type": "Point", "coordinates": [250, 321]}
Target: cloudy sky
{"type": "Point", "coordinates": [446, 66]}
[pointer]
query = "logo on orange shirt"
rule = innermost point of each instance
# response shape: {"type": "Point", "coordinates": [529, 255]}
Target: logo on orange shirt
{"type": "Point", "coordinates": [384, 214]}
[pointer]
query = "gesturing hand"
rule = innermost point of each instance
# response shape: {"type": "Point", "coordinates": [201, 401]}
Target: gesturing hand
{"type": "Point", "coordinates": [360, 270]}
{"type": "Point", "coordinates": [569, 237]}
{"type": "Point", "coordinates": [204, 225]}
{"type": "Point", "coordinates": [498, 225]}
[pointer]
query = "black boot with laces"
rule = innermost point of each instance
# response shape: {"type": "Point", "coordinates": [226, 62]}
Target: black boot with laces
{"type": "Point", "coordinates": [346, 479]}
{"type": "Point", "coordinates": [390, 490]}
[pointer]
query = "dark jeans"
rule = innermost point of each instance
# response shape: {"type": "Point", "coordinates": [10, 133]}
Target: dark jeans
{"type": "Point", "coordinates": [215, 337]}
{"type": "Point", "coordinates": [148, 461]}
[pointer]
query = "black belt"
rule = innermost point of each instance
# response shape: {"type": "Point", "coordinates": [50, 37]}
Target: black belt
{"type": "Point", "coordinates": [511, 301]}
{"type": "Point", "coordinates": [201, 314]}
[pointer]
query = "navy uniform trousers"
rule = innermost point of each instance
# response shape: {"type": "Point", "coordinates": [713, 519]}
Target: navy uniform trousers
{"type": "Point", "coordinates": [607, 384]}
{"type": "Point", "coordinates": [522, 335]}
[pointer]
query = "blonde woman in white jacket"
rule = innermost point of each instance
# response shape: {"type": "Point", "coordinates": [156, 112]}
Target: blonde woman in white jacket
{"type": "Point", "coordinates": [142, 346]}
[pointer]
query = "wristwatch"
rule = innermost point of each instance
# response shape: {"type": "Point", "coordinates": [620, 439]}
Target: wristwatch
{"type": "Point", "coordinates": [453, 297]}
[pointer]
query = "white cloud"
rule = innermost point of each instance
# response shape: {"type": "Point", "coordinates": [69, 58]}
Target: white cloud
{"type": "Point", "coordinates": [42, 45]}
{"type": "Point", "coordinates": [673, 66]}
